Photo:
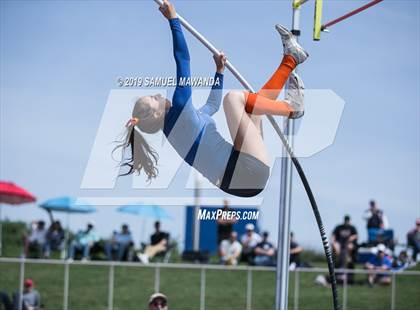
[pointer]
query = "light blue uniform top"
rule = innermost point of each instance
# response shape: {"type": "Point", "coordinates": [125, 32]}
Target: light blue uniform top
{"type": "Point", "coordinates": [192, 132]}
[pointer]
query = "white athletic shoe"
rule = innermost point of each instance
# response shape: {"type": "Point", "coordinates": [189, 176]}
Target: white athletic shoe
{"type": "Point", "coordinates": [290, 45]}
{"type": "Point", "coordinates": [295, 95]}
{"type": "Point", "coordinates": [320, 279]}
{"type": "Point", "coordinates": [143, 258]}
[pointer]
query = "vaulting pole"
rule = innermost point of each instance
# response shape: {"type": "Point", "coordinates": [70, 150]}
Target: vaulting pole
{"type": "Point", "coordinates": [289, 151]}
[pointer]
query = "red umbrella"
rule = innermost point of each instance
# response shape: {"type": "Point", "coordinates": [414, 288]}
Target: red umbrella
{"type": "Point", "coordinates": [13, 194]}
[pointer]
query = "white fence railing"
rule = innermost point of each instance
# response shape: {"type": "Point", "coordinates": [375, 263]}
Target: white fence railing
{"type": "Point", "coordinates": [203, 268]}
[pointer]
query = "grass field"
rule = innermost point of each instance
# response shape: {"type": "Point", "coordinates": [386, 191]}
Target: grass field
{"type": "Point", "coordinates": [224, 289]}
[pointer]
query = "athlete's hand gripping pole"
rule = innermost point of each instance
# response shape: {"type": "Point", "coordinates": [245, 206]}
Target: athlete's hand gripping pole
{"type": "Point", "coordinates": [212, 49]}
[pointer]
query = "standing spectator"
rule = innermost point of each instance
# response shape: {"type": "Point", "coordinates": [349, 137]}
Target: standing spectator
{"type": "Point", "coordinates": [265, 252]}
{"type": "Point", "coordinates": [380, 262]}
{"type": "Point", "coordinates": [249, 241]}
{"type": "Point", "coordinates": [344, 242]}
{"type": "Point", "coordinates": [375, 217]}
{"type": "Point", "coordinates": [31, 299]}
{"type": "Point", "coordinates": [120, 243]}
{"type": "Point", "coordinates": [377, 226]}
{"type": "Point", "coordinates": [230, 250]}
{"type": "Point", "coordinates": [295, 251]}
{"type": "Point", "coordinates": [158, 301]}
{"type": "Point", "coordinates": [55, 238]}
{"type": "Point", "coordinates": [224, 225]}
{"type": "Point", "coordinates": [36, 240]}
{"type": "Point", "coordinates": [83, 241]}
{"type": "Point", "coordinates": [413, 240]}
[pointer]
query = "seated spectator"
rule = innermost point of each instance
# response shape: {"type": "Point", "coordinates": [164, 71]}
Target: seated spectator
{"type": "Point", "coordinates": [413, 240]}
{"type": "Point", "coordinates": [83, 241]}
{"type": "Point", "coordinates": [5, 301]}
{"type": "Point", "coordinates": [401, 262]}
{"type": "Point", "coordinates": [158, 235]}
{"type": "Point", "coordinates": [230, 250]}
{"type": "Point", "coordinates": [295, 251]}
{"type": "Point", "coordinates": [380, 262]}
{"type": "Point", "coordinates": [35, 242]}
{"type": "Point", "coordinates": [120, 243]}
{"type": "Point", "coordinates": [224, 225]}
{"type": "Point", "coordinates": [344, 244]}
{"type": "Point", "coordinates": [159, 242]}
{"type": "Point", "coordinates": [265, 253]}
{"type": "Point", "coordinates": [55, 238]}
{"type": "Point", "coordinates": [31, 299]}
{"type": "Point", "coordinates": [249, 241]}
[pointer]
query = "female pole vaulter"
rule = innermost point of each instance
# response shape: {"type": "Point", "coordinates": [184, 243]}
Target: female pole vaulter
{"type": "Point", "coordinates": [241, 169]}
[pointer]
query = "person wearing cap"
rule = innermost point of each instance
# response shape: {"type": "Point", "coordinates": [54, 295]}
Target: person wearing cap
{"type": "Point", "coordinates": [158, 301]}
{"type": "Point", "coordinates": [31, 299]}
{"type": "Point", "coordinates": [379, 262]}
{"type": "Point", "coordinates": [83, 241]}
{"type": "Point", "coordinates": [230, 250]}
{"type": "Point", "coordinates": [265, 252]}
{"type": "Point", "coordinates": [413, 240]}
{"type": "Point", "coordinates": [249, 241]}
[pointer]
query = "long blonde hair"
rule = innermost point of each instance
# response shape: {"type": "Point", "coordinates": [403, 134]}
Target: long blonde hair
{"type": "Point", "coordinates": [143, 156]}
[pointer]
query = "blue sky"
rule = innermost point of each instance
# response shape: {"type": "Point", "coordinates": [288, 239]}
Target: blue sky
{"type": "Point", "coordinates": [60, 60]}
